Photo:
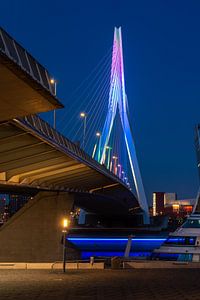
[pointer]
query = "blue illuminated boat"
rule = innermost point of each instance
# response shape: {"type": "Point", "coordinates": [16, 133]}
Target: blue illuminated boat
{"type": "Point", "coordinates": [183, 244]}
{"type": "Point", "coordinates": [109, 245]}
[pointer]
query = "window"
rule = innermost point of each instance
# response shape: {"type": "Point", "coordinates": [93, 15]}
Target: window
{"type": "Point", "coordinates": [176, 241]}
{"type": "Point", "coordinates": [191, 223]}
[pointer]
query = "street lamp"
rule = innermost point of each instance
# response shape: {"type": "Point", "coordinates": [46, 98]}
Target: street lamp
{"type": "Point", "coordinates": [98, 135]}
{"type": "Point", "coordinates": [54, 82]}
{"type": "Point", "coordinates": [115, 164]}
{"type": "Point", "coordinates": [65, 227]}
{"type": "Point", "coordinates": [120, 170]}
{"type": "Point", "coordinates": [84, 117]}
{"type": "Point", "coordinates": [108, 160]}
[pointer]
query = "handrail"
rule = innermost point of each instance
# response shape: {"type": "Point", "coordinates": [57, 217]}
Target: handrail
{"type": "Point", "coordinates": [41, 127]}
{"type": "Point", "coordinates": [16, 53]}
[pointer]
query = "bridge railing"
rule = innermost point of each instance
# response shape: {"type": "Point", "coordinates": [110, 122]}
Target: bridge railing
{"type": "Point", "coordinates": [10, 48]}
{"type": "Point", "coordinates": [40, 126]}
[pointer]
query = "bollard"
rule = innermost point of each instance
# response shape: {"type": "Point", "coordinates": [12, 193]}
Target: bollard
{"type": "Point", "coordinates": [91, 260]}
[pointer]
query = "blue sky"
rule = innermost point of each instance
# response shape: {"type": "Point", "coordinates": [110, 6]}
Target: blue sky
{"type": "Point", "coordinates": [162, 70]}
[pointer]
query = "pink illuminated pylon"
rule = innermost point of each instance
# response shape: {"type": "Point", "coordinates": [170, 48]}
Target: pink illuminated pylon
{"type": "Point", "coordinates": [117, 98]}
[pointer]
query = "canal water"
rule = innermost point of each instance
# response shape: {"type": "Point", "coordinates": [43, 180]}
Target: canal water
{"type": "Point", "coordinates": [101, 246]}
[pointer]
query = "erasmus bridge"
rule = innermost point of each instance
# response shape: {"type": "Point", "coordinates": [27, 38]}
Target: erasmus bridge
{"type": "Point", "coordinates": [89, 155]}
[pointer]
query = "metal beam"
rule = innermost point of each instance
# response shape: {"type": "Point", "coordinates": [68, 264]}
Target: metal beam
{"type": "Point", "coordinates": [23, 166]}
{"type": "Point", "coordinates": [48, 171]}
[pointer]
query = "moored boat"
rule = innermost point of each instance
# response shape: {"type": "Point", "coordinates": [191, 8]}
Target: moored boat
{"type": "Point", "coordinates": [183, 244]}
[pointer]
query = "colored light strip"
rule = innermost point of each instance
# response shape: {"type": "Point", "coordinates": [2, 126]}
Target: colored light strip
{"type": "Point", "coordinates": [114, 239]}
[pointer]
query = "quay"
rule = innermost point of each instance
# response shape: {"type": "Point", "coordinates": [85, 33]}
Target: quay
{"type": "Point", "coordinates": [137, 284]}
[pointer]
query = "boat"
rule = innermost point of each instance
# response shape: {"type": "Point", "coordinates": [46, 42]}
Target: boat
{"type": "Point", "coordinates": [183, 244]}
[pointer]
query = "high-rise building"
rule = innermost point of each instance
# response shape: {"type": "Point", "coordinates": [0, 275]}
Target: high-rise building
{"type": "Point", "coordinates": [169, 198]}
{"type": "Point", "coordinates": [158, 203]}
{"type": "Point", "coordinates": [167, 204]}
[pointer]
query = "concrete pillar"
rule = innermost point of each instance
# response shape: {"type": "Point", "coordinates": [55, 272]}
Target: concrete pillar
{"type": "Point", "coordinates": [34, 233]}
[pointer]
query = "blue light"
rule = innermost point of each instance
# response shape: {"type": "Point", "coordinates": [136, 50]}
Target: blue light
{"type": "Point", "coordinates": [175, 239]}
{"type": "Point", "coordinates": [116, 239]}
{"type": "Point", "coordinates": [181, 240]}
{"type": "Point", "coordinates": [88, 254]}
{"type": "Point", "coordinates": [115, 244]}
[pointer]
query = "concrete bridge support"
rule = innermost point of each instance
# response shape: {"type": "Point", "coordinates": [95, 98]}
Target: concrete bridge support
{"type": "Point", "coordinates": [34, 233]}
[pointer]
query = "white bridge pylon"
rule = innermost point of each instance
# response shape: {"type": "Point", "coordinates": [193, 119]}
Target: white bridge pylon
{"type": "Point", "coordinates": [117, 98]}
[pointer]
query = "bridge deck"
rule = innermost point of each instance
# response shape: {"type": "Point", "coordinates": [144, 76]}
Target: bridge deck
{"type": "Point", "coordinates": [25, 83]}
{"type": "Point", "coordinates": [33, 154]}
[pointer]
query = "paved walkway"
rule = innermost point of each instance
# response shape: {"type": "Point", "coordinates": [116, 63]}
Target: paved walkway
{"type": "Point", "coordinates": [100, 284]}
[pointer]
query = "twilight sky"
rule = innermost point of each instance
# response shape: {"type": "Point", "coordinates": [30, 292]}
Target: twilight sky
{"type": "Point", "coordinates": [161, 41]}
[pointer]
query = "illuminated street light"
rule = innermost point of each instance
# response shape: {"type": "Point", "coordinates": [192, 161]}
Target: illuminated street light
{"type": "Point", "coordinates": [65, 227]}
{"type": "Point", "coordinates": [120, 170]}
{"type": "Point", "coordinates": [115, 164]}
{"type": "Point", "coordinates": [126, 180]}
{"type": "Point", "coordinates": [98, 134]}
{"type": "Point", "coordinates": [84, 117]}
{"type": "Point", "coordinates": [54, 82]}
{"type": "Point", "coordinates": [123, 175]}
{"type": "Point", "coordinates": [65, 223]}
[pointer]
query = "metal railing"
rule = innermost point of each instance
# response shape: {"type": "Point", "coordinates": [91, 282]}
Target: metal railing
{"type": "Point", "coordinates": [41, 127]}
{"type": "Point", "coordinates": [14, 51]}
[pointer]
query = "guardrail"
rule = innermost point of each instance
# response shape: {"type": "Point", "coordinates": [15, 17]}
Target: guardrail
{"type": "Point", "coordinates": [41, 127]}
{"type": "Point", "coordinates": [14, 51]}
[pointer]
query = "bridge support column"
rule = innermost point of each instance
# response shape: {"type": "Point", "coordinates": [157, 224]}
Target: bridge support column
{"type": "Point", "coordinates": [34, 233]}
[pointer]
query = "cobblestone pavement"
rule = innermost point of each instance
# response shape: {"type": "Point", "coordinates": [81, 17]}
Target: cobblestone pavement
{"type": "Point", "coordinates": [100, 284]}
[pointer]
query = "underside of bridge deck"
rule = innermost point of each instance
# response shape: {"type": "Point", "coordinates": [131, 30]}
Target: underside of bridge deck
{"type": "Point", "coordinates": [28, 161]}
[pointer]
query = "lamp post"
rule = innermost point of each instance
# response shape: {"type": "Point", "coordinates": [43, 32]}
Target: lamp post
{"type": "Point", "coordinates": [98, 135]}
{"type": "Point", "coordinates": [115, 164]}
{"type": "Point", "coordinates": [111, 165]}
{"type": "Point", "coordinates": [54, 82]}
{"type": "Point", "coordinates": [94, 150]}
{"type": "Point", "coordinates": [126, 180]}
{"type": "Point", "coordinates": [108, 159]}
{"type": "Point", "coordinates": [84, 117]}
{"type": "Point", "coordinates": [120, 170]}
{"type": "Point", "coordinates": [65, 226]}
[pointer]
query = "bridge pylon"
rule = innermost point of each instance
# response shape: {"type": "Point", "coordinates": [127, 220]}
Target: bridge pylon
{"type": "Point", "coordinates": [118, 98]}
